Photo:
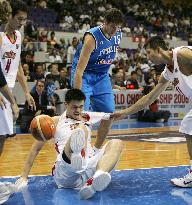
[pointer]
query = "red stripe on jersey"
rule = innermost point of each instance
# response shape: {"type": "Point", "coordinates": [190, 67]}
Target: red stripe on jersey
{"type": "Point", "coordinates": [15, 38]}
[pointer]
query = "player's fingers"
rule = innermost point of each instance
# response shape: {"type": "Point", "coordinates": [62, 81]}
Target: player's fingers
{"type": "Point", "coordinates": [34, 105]}
{"type": "Point", "coordinates": [2, 104]}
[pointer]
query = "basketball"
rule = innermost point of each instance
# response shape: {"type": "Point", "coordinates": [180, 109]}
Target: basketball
{"type": "Point", "coordinates": [42, 127]}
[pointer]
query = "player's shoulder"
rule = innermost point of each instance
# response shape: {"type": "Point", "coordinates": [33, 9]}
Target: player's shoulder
{"type": "Point", "coordinates": [184, 55]}
{"type": "Point", "coordinates": [88, 38]}
{"type": "Point", "coordinates": [184, 51]}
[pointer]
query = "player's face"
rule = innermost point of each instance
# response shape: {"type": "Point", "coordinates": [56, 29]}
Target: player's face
{"type": "Point", "coordinates": [111, 28]}
{"type": "Point", "coordinates": [154, 55]}
{"type": "Point", "coordinates": [75, 109]}
{"type": "Point", "coordinates": [18, 20]}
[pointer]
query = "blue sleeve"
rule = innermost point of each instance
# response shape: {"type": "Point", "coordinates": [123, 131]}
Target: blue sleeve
{"type": "Point", "coordinates": [3, 81]}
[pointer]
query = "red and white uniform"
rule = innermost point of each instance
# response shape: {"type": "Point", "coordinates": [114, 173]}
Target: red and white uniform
{"type": "Point", "coordinates": [9, 58]}
{"type": "Point", "coordinates": [64, 176]}
{"type": "Point", "coordinates": [183, 84]}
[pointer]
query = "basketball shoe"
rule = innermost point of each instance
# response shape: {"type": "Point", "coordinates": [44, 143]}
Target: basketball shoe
{"type": "Point", "coordinates": [6, 189]}
{"type": "Point", "coordinates": [186, 181]}
{"type": "Point", "coordinates": [77, 144]}
{"type": "Point", "coordinates": [98, 182]}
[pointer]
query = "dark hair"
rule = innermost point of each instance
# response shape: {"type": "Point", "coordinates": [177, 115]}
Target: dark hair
{"type": "Point", "coordinates": [156, 42]}
{"type": "Point", "coordinates": [18, 5]}
{"type": "Point", "coordinates": [49, 77]}
{"type": "Point", "coordinates": [74, 94]}
{"type": "Point", "coordinates": [133, 72]}
{"type": "Point", "coordinates": [114, 16]}
{"type": "Point", "coordinates": [40, 81]}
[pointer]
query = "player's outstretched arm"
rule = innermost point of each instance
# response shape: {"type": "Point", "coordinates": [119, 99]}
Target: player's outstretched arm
{"type": "Point", "coordinates": [23, 180]}
{"type": "Point", "coordinates": [102, 132]}
{"type": "Point", "coordinates": [22, 80]}
{"type": "Point", "coordinates": [142, 102]}
{"type": "Point", "coordinates": [184, 58]}
{"type": "Point", "coordinates": [35, 149]}
{"type": "Point", "coordinates": [88, 47]}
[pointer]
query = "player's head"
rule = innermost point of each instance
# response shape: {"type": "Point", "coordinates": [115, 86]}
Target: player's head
{"type": "Point", "coordinates": [74, 102]}
{"type": "Point", "coordinates": [154, 47]}
{"type": "Point", "coordinates": [18, 14]}
{"type": "Point", "coordinates": [113, 21]}
{"type": "Point", "coordinates": [5, 11]}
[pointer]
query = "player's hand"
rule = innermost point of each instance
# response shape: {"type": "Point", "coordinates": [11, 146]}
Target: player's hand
{"type": "Point", "coordinates": [21, 183]}
{"type": "Point", "coordinates": [2, 103]}
{"type": "Point", "coordinates": [30, 101]}
{"type": "Point", "coordinates": [38, 113]}
{"type": "Point", "coordinates": [116, 115]}
{"type": "Point", "coordinates": [15, 110]}
{"type": "Point", "coordinates": [53, 108]}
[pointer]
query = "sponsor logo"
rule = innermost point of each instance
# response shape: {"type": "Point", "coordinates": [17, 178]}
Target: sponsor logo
{"type": "Point", "coordinates": [9, 54]}
{"type": "Point", "coordinates": [175, 82]}
{"type": "Point", "coordinates": [187, 182]}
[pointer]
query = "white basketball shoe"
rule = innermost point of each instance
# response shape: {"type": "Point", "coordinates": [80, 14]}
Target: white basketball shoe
{"type": "Point", "coordinates": [77, 144]}
{"type": "Point", "coordinates": [186, 181]}
{"type": "Point", "coordinates": [6, 189]}
{"type": "Point", "coordinates": [93, 184]}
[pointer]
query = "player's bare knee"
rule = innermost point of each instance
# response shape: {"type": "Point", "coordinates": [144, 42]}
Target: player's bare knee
{"type": "Point", "coordinates": [116, 145]}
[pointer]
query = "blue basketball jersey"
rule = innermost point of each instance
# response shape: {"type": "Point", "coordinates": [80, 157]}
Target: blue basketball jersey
{"type": "Point", "coordinates": [104, 53]}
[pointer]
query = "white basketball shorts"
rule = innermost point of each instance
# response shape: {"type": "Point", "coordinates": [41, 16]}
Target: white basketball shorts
{"type": "Point", "coordinates": [65, 177]}
{"type": "Point", "coordinates": [186, 124]}
{"type": "Point", "coordinates": [6, 116]}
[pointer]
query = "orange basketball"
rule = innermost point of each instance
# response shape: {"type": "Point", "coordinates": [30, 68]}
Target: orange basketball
{"type": "Point", "coordinates": [42, 127]}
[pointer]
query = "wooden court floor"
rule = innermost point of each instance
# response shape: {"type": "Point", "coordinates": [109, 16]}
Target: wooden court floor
{"type": "Point", "coordinates": [136, 154]}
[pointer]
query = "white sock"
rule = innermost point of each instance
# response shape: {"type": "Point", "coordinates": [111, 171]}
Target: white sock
{"type": "Point", "coordinates": [97, 173]}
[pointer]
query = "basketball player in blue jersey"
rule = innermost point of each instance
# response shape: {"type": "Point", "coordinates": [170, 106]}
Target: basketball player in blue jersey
{"type": "Point", "coordinates": [92, 60]}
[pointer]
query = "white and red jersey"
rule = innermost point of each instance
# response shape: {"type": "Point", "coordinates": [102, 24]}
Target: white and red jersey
{"type": "Point", "coordinates": [181, 82]}
{"type": "Point", "coordinates": [66, 125]}
{"type": "Point", "coordinates": [10, 52]}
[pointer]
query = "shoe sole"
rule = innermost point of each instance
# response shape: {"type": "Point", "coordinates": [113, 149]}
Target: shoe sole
{"type": "Point", "coordinates": [86, 193]}
{"type": "Point", "coordinates": [77, 143]}
{"type": "Point", "coordinates": [183, 186]}
{"type": "Point", "coordinates": [101, 182]}
{"type": "Point", "coordinates": [5, 193]}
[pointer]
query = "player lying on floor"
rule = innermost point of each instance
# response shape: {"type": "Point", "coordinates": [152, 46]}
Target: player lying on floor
{"type": "Point", "coordinates": [79, 165]}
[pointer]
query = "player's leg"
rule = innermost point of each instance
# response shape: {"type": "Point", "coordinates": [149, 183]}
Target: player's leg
{"type": "Point", "coordinates": [186, 128]}
{"type": "Point", "coordinates": [86, 88]}
{"type": "Point", "coordinates": [72, 161]}
{"type": "Point", "coordinates": [101, 178]}
{"type": "Point", "coordinates": [185, 181]}
{"type": "Point", "coordinates": [75, 149]}
{"type": "Point", "coordinates": [2, 141]}
{"type": "Point", "coordinates": [103, 98]}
